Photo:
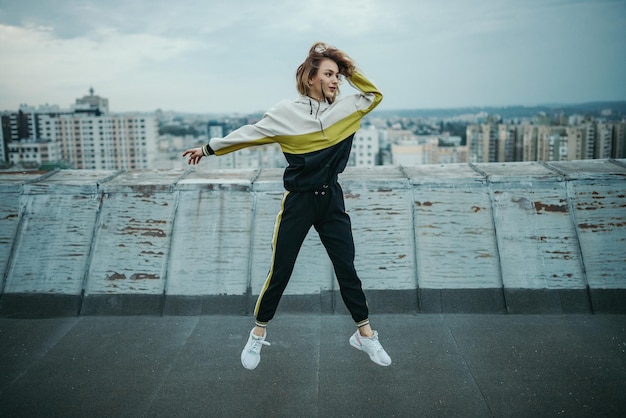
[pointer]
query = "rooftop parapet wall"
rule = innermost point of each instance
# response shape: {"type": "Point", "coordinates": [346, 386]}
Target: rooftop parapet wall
{"type": "Point", "coordinates": [514, 237]}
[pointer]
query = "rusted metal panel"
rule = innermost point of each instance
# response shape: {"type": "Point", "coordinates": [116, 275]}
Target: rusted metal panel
{"type": "Point", "coordinates": [53, 244]}
{"type": "Point", "coordinates": [13, 181]}
{"type": "Point", "coordinates": [519, 225]}
{"type": "Point", "coordinates": [517, 172]}
{"type": "Point", "coordinates": [144, 181]}
{"type": "Point", "coordinates": [600, 214]}
{"type": "Point", "coordinates": [10, 208]}
{"type": "Point", "coordinates": [225, 180]}
{"type": "Point", "coordinates": [269, 180]}
{"type": "Point", "coordinates": [131, 244]}
{"type": "Point", "coordinates": [11, 202]}
{"type": "Point", "coordinates": [379, 177]}
{"type": "Point", "coordinates": [71, 182]}
{"type": "Point", "coordinates": [378, 202]}
{"type": "Point", "coordinates": [211, 238]}
{"type": "Point", "coordinates": [201, 174]}
{"type": "Point", "coordinates": [443, 174]}
{"type": "Point", "coordinates": [590, 169]}
{"type": "Point", "coordinates": [454, 232]}
{"type": "Point", "coordinates": [536, 237]}
{"type": "Point", "coordinates": [597, 190]}
{"type": "Point", "coordinates": [132, 241]}
{"type": "Point", "coordinates": [455, 237]}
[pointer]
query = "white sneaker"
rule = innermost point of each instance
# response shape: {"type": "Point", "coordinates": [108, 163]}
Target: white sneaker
{"type": "Point", "coordinates": [251, 354]}
{"type": "Point", "coordinates": [372, 347]}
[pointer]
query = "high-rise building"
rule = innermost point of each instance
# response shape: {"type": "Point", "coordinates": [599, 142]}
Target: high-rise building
{"type": "Point", "coordinates": [453, 154]}
{"type": "Point", "coordinates": [365, 148]}
{"type": "Point", "coordinates": [430, 149]}
{"type": "Point", "coordinates": [215, 129]}
{"type": "Point", "coordinates": [108, 142]}
{"type": "Point", "coordinates": [529, 136]}
{"type": "Point", "coordinates": [585, 138]}
{"type": "Point", "coordinates": [507, 135]}
{"type": "Point", "coordinates": [619, 140]}
{"type": "Point", "coordinates": [415, 152]}
{"type": "Point", "coordinates": [551, 143]}
{"type": "Point", "coordinates": [482, 142]}
{"type": "Point", "coordinates": [34, 153]}
{"type": "Point", "coordinates": [88, 137]}
{"type": "Point", "coordinates": [604, 140]}
{"type": "Point", "coordinates": [92, 104]}
{"type": "Point", "coordinates": [589, 144]}
{"type": "Point", "coordinates": [574, 142]}
{"type": "Point", "coordinates": [4, 146]}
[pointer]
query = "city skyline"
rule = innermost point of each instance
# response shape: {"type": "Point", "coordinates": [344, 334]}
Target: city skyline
{"type": "Point", "coordinates": [89, 137]}
{"type": "Point", "coordinates": [241, 56]}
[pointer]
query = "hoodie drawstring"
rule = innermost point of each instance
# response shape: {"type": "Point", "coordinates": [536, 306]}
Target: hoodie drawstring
{"type": "Point", "coordinates": [317, 113]}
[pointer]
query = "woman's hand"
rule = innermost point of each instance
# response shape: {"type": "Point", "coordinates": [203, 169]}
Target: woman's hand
{"type": "Point", "coordinates": [195, 155]}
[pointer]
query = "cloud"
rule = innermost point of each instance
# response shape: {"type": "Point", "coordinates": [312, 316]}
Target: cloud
{"type": "Point", "coordinates": [41, 62]}
{"type": "Point", "coordinates": [241, 55]}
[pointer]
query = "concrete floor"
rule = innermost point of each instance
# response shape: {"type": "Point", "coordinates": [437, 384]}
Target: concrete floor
{"type": "Point", "coordinates": [188, 366]}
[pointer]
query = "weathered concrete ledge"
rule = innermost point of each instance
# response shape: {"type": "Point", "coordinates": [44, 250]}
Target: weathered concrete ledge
{"type": "Point", "coordinates": [502, 238]}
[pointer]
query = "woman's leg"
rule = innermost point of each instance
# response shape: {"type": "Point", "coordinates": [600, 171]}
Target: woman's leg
{"type": "Point", "coordinates": [335, 231]}
{"type": "Point", "coordinates": [336, 234]}
{"type": "Point", "coordinates": [292, 225]}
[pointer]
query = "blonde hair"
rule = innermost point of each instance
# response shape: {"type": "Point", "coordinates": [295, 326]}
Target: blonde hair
{"type": "Point", "coordinates": [308, 69]}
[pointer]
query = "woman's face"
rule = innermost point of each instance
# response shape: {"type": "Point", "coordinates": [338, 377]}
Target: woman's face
{"type": "Point", "coordinates": [326, 81]}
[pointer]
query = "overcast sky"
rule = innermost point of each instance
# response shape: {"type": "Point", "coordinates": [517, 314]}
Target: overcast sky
{"type": "Point", "coordinates": [241, 55]}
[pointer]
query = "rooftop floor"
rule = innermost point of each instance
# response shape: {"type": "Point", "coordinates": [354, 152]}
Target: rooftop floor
{"type": "Point", "coordinates": [444, 365]}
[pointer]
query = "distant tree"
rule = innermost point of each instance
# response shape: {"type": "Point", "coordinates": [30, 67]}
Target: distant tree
{"type": "Point", "coordinates": [51, 166]}
{"type": "Point", "coordinates": [178, 130]}
{"type": "Point", "coordinates": [456, 129]}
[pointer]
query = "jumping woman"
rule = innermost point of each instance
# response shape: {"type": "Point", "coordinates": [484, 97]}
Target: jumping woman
{"type": "Point", "coordinates": [315, 133]}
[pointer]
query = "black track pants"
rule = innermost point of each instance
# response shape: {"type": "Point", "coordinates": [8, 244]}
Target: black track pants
{"type": "Point", "coordinates": [323, 209]}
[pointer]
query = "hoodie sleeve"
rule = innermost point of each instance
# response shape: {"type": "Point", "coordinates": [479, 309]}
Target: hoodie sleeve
{"type": "Point", "coordinates": [263, 132]}
{"type": "Point", "coordinates": [370, 96]}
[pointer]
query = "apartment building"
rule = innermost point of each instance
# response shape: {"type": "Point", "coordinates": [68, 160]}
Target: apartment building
{"type": "Point", "coordinates": [482, 141]}
{"type": "Point", "coordinates": [86, 137]}
{"type": "Point", "coordinates": [106, 142]}
{"type": "Point", "coordinates": [619, 140]}
{"type": "Point", "coordinates": [365, 148]}
{"type": "Point", "coordinates": [92, 103]}
{"type": "Point", "coordinates": [428, 150]}
{"type": "Point", "coordinates": [34, 153]}
{"type": "Point", "coordinates": [551, 143]}
{"type": "Point", "coordinates": [604, 140]}
{"type": "Point", "coordinates": [506, 150]}
{"type": "Point", "coordinates": [4, 146]}
{"type": "Point", "coordinates": [587, 139]}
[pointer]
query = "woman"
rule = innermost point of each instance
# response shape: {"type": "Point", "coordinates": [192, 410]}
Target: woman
{"type": "Point", "coordinates": [315, 133]}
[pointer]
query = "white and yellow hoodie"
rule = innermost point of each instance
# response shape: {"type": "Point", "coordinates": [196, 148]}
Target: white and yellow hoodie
{"type": "Point", "coordinates": [316, 137]}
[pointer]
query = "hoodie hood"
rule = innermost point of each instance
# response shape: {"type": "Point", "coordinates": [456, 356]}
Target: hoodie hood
{"type": "Point", "coordinates": [314, 106]}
